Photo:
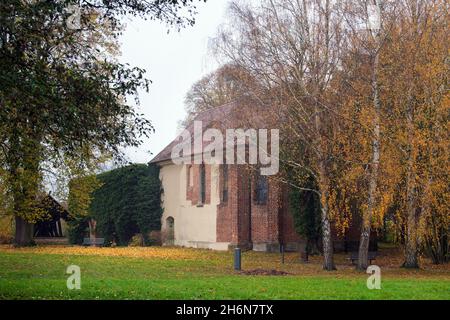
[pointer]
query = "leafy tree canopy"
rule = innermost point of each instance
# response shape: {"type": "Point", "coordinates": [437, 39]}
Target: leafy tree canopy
{"type": "Point", "coordinates": [63, 98]}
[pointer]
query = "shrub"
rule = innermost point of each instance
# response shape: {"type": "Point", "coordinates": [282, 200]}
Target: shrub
{"type": "Point", "coordinates": [77, 229]}
{"type": "Point", "coordinates": [136, 241]}
{"type": "Point", "coordinates": [6, 229]}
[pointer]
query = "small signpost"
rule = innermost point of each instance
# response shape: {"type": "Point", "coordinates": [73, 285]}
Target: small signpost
{"type": "Point", "coordinates": [237, 259]}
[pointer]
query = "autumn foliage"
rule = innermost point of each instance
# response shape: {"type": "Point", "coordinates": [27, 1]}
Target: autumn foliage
{"type": "Point", "coordinates": [364, 101]}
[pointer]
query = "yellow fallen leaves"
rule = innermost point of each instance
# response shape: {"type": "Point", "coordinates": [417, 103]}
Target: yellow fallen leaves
{"type": "Point", "coordinates": [137, 252]}
{"type": "Point", "coordinates": [389, 260]}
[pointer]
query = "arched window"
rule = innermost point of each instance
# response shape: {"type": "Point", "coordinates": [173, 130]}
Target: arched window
{"type": "Point", "coordinates": [262, 189]}
{"type": "Point", "coordinates": [190, 176]}
{"type": "Point", "coordinates": [224, 183]}
{"type": "Point", "coordinates": [202, 184]}
{"type": "Point", "coordinates": [170, 230]}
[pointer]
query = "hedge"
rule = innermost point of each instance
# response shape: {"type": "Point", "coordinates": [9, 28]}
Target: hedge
{"type": "Point", "coordinates": [127, 202]}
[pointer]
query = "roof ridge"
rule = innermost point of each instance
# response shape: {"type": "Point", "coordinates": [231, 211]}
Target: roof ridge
{"type": "Point", "coordinates": [214, 108]}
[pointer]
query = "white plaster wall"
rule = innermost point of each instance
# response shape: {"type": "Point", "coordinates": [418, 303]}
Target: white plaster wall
{"type": "Point", "coordinates": [194, 226]}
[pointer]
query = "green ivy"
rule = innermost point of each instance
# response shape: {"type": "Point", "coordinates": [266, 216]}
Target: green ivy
{"type": "Point", "coordinates": [305, 208]}
{"type": "Point", "coordinates": [127, 202]}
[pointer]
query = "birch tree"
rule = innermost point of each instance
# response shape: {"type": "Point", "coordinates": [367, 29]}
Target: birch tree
{"type": "Point", "coordinates": [293, 48]}
{"type": "Point", "coordinates": [367, 25]}
{"type": "Point", "coordinates": [417, 60]}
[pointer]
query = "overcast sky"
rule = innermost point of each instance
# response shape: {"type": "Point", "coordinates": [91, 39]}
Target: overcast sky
{"type": "Point", "coordinates": [173, 62]}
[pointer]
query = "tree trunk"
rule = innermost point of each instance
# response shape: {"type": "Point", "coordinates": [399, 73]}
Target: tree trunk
{"type": "Point", "coordinates": [24, 233]}
{"type": "Point", "coordinates": [411, 252]}
{"type": "Point", "coordinates": [363, 252]}
{"type": "Point", "coordinates": [24, 230]}
{"type": "Point", "coordinates": [24, 178]}
{"type": "Point", "coordinates": [328, 263]}
{"type": "Point", "coordinates": [92, 229]}
{"type": "Point", "coordinates": [364, 242]}
{"type": "Point", "coordinates": [324, 184]}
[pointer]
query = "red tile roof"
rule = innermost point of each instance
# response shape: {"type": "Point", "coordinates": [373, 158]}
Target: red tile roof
{"type": "Point", "coordinates": [228, 116]}
{"type": "Point", "coordinates": [219, 117]}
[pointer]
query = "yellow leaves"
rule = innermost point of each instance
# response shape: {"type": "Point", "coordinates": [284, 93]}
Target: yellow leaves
{"type": "Point", "coordinates": [385, 202]}
{"type": "Point", "coordinates": [6, 228]}
{"type": "Point", "coordinates": [166, 253]}
{"type": "Point", "coordinates": [80, 196]}
{"type": "Point", "coordinates": [339, 203]}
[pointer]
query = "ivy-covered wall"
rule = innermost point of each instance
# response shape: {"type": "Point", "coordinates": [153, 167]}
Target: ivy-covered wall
{"type": "Point", "coordinates": [305, 209]}
{"type": "Point", "coordinates": [126, 202]}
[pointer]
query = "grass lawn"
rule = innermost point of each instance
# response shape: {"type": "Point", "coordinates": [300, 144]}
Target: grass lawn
{"type": "Point", "coordinates": [177, 273]}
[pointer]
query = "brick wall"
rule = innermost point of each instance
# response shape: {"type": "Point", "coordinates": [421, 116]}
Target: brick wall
{"type": "Point", "coordinates": [270, 224]}
{"type": "Point", "coordinates": [193, 188]}
{"type": "Point", "coordinates": [288, 233]}
{"type": "Point", "coordinates": [227, 212]}
{"type": "Point", "coordinates": [244, 226]}
{"type": "Point", "coordinates": [265, 217]}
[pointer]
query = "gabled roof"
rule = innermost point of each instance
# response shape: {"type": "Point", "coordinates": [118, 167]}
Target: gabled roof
{"type": "Point", "coordinates": [229, 116]}
{"type": "Point", "coordinates": [219, 117]}
{"type": "Point", "coordinates": [53, 208]}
